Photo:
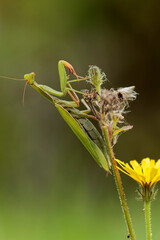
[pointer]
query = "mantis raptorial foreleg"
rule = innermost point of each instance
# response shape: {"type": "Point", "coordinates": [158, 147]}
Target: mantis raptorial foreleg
{"type": "Point", "coordinates": [64, 82]}
{"type": "Point", "coordinates": [45, 91]}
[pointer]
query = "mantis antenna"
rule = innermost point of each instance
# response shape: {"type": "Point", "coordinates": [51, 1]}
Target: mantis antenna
{"type": "Point", "coordinates": [24, 91]}
{"type": "Point", "coordinates": [17, 79]}
{"type": "Point", "coordinates": [10, 78]}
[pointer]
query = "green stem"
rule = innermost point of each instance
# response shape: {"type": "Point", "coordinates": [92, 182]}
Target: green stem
{"type": "Point", "coordinates": [98, 88]}
{"type": "Point", "coordinates": [147, 205]}
{"type": "Point", "coordinates": [118, 183]}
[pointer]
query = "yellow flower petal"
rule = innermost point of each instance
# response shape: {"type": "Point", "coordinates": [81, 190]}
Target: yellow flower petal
{"type": "Point", "coordinates": [152, 163]}
{"type": "Point", "coordinates": [157, 164]}
{"type": "Point", "coordinates": [136, 166]}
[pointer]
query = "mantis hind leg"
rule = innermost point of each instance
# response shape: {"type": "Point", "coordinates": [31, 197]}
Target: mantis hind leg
{"type": "Point", "coordinates": [74, 95]}
{"type": "Point", "coordinates": [88, 110]}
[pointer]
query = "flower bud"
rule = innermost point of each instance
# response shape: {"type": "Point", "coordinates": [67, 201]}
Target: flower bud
{"type": "Point", "coordinates": [96, 77]}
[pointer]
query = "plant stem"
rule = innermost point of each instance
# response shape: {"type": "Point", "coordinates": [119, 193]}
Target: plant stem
{"type": "Point", "coordinates": [147, 205]}
{"type": "Point", "coordinates": [118, 183]}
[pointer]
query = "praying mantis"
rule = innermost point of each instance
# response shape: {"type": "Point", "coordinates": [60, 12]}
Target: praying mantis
{"type": "Point", "coordinates": [77, 120]}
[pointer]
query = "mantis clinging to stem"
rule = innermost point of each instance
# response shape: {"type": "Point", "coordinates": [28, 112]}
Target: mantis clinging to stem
{"type": "Point", "coordinates": [76, 119]}
{"type": "Point", "coordinates": [107, 108]}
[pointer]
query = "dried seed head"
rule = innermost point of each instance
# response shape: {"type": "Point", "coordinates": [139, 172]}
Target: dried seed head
{"type": "Point", "coordinates": [113, 103]}
{"type": "Point", "coordinates": [90, 96]}
{"type": "Point", "coordinates": [127, 93]}
{"type": "Point", "coordinates": [108, 105]}
{"type": "Point", "coordinates": [109, 100]}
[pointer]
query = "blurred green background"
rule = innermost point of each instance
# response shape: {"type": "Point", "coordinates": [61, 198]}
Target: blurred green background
{"type": "Point", "coordinates": [50, 187]}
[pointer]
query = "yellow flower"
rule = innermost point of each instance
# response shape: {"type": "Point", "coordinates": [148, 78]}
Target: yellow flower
{"type": "Point", "coordinates": [147, 173]}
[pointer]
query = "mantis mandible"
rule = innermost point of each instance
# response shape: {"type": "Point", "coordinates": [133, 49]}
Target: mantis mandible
{"type": "Point", "coordinates": [76, 119]}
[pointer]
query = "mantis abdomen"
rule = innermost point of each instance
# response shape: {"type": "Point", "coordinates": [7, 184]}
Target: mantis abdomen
{"type": "Point", "coordinates": [94, 135]}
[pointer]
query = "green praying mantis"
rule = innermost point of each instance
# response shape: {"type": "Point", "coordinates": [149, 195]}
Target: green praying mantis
{"type": "Point", "coordinates": [77, 120]}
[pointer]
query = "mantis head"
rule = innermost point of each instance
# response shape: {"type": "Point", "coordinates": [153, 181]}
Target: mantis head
{"type": "Point", "coordinates": [30, 78]}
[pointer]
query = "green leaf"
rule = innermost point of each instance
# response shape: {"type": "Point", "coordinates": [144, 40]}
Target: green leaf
{"type": "Point", "coordinates": [123, 129]}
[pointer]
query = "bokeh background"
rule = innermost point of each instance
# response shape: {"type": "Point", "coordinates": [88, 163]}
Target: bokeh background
{"type": "Point", "coordinates": [50, 187]}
